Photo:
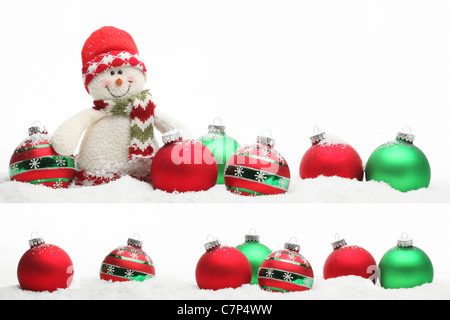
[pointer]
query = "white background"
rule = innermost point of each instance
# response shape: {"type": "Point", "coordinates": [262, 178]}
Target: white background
{"type": "Point", "coordinates": [359, 69]}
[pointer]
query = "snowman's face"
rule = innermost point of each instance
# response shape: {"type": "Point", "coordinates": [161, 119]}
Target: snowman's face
{"type": "Point", "coordinates": [117, 83]}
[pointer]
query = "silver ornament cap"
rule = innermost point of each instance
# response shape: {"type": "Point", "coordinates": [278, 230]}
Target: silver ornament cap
{"type": "Point", "coordinates": [37, 241]}
{"type": "Point", "coordinates": [212, 244]}
{"type": "Point", "coordinates": [317, 137]}
{"type": "Point", "coordinates": [338, 244]}
{"type": "Point", "coordinates": [252, 238]}
{"type": "Point", "coordinates": [266, 141]}
{"type": "Point", "coordinates": [408, 137]}
{"type": "Point", "coordinates": [292, 246]}
{"type": "Point", "coordinates": [135, 243]}
{"type": "Point", "coordinates": [405, 241]}
{"type": "Point", "coordinates": [216, 128]}
{"type": "Point", "coordinates": [171, 136]}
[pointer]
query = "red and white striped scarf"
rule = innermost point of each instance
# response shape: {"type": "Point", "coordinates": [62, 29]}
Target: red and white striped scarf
{"type": "Point", "coordinates": [141, 109]}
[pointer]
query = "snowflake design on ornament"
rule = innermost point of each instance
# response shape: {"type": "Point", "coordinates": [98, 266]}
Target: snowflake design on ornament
{"type": "Point", "coordinates": [58, 184]}
{"type": "Point", "coordinates": [264, 153]}
{"type": "Point", "coordinates": [269, 273]}
{"type": "Point", "coordinates": [148, 259]}
{"type": "Point", "coordinates": [307, 282]}
{"type": "Point", "coordinates": [277, 254]}
{"type": "Point", "coordinates": [305, 262]}
{"type": "Point", "coordinates": [110, 270]}
{"type": "Point", "coordinates": [134, 255]}
{"type": "Point", "coordinates": [287, 276]}
{"type": "Point", "coordinates": [280, 158]}
{"type": "Point", "coordinates": [120, 251]}
{"type": "Point", "coordinates": [260, 176]}
{"type": "Point", "coordinates": [238, 172]}
{"type": "Point", "coordinates": [60, 161]}
{"type": "Point", "coordinates": [129, 274]}
{"type": "Point", "coordinates": [282, 183]}
{"type": "Point", "coordinates": [34, 163]}
{"type": "Point", "coordinates": [248, 150]}
{"type": "Point", "coordinates": [15, 168]}
{"type": "Point", "coordinates": [236, 191]}
{"type": "Point", "coordinates": [291, 257]}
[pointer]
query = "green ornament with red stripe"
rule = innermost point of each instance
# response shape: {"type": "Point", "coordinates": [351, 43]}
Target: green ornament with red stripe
{"type": "Point", "coordinates": [286, 271]}
{"type": "Point", "coordinates": [127, 263]}
{"type": "Point", "coordinates": [35, 161]}
{"type": "Point", "coordinates": [257, 170]}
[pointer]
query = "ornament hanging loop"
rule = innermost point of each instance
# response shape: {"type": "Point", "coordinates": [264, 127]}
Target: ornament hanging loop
{"type": "Point", "coordinates": [217, 121]}
{"type": "Point", "coordinates": [252, 237]}
{"type": "Point", "coordinates": [35, 128]}
{"type": "Point", "coordinates": [316, 129]}
{"type": "Point", "coordinates": [36, 233]}
{"type": "Point", "coordinates": [404, 240]}
{"type": "Point", "coordinates": [406, 129]}
{"type": "Point", "coordinates": [137, 236]}
{"type": "Point", "coordinates": [269, 133]}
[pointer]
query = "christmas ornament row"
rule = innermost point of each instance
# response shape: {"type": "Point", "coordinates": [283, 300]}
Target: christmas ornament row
{"type": "Point", "coordinates": [215, 158]}
{"type": "Point", "coordinates": [47, 267]}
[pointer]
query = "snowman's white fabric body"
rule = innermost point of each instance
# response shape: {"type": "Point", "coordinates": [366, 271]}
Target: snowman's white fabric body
{"type": "Point", "coordinates": [104, 152]}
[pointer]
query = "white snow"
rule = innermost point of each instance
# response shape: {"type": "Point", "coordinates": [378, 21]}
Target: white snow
{"type": "Point", "coordinates": [169, 288]}
{"type": "Point", "coordinates": [320, 190]}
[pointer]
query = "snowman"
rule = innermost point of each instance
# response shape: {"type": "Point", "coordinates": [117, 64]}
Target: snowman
{"type": "Point", "coordinates": [118, 131]}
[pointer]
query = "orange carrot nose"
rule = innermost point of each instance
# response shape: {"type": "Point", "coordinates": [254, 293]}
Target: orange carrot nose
{"type": "Point", "coordinates": [119, 82]}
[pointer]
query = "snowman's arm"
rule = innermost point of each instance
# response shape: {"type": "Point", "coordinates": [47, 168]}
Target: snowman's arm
{"type": "Point", "coordinates": [165, 123]}
{"type": "Point", "coordinates": [66, 137]}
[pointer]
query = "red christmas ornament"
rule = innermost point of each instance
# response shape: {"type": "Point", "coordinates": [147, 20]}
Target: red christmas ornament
{"type": "Point", "coordinates": [183, 165]}
{"type": "Point", "coordinates": [36, 162]}
{"type": "Point", "coordinates": [44, 267]}
{"type": "Point", "coordinates": [127, 263]}
{"type": "Point", "coordinates": [257, 170]}
{"type": "Point", "coordinates": [329, 157]}
{"type": "Point", "coordinates": [348, 260]}
{"type": "Point", "coordinates": [222, 267]}
{"type": "Point", "coordinates": [285, 271]}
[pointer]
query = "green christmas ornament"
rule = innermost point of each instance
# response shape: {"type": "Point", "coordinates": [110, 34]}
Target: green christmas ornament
{"type": "Point", "coordinates": [400, 164]}
{"type": "Point", "coordinates": [220, 145]}
{"type": "Point", "coordinates": [255, 252]}
{"type": "Point", "coordinates": [405, 266]}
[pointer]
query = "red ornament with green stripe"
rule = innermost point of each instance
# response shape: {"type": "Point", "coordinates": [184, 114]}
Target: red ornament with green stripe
{"type": "Point", "coordinates": [127, 263]}
{"type": "Point", "coordinates": [35, 161]}
{"type": "Point", "coordinates": [257, 170]}
{"type": "Point", "coordinates": [286, 271]}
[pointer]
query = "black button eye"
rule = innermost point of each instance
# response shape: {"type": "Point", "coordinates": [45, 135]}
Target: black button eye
{"type": "Point", "coordinates": [112, 73]}
{"type": "Point", "coordinates": [119, 72]}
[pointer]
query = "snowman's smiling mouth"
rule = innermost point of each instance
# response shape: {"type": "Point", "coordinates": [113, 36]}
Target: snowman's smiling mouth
{"type": "Point", "coordinates": [129, 86]}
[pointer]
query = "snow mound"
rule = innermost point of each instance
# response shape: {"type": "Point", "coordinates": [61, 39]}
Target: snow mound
{"type": "Point", "coordinates": [322, 189]}
{"type": "Point", "coordinates": [167, 288]}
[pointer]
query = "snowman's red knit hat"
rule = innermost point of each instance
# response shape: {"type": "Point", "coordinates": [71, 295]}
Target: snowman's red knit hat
{"type": "Point", "coordinates": [108, 47]}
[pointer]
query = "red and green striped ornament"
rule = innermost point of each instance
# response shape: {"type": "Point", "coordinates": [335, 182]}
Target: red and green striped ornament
{"type": "Point", "coordinates": [257, 170]}
{"type": "Point", "coordinates": [127, 263]}
{"type": "Point", "coordinates": [286, 271]}
{"type": "Point", "coordinates": [35, 161]}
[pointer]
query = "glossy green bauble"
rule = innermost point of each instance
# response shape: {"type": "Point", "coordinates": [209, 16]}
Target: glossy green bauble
{"type": "Point", "coordinates": [400, 164]}
{"type": "Point", "coordinates": [255, 252]}
{"type": "Point", "coordinates": [221, 146]}
{"type": "Point", "coordinates": [405, 267]}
